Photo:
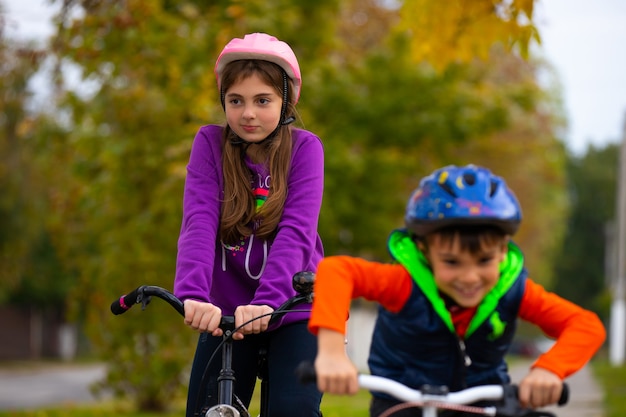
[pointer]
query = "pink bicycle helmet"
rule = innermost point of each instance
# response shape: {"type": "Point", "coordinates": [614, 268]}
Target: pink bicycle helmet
{"type": "Point", "coordinates": [264, 47]}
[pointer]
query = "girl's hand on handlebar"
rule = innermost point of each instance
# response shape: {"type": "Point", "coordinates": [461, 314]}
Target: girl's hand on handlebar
{"type": "Point", "coordinates": [250, 313]}
{"type": "Point", "coordinates": [204, 317]}
{"type": "Point", "coordinates": [540, 388]}
{"type": "Point", "coordinates": [336, 374]}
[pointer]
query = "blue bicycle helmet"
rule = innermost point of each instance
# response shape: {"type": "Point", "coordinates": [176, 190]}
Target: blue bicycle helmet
{"type": "Point", "coordinates": [469, 195]}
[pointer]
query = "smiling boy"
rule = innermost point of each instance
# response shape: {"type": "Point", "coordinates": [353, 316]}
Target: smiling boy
{"type": "Point", "coordinates": [450, 302]}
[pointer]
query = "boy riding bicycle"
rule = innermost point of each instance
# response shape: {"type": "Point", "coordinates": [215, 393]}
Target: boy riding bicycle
{"type": "Point", "coordinates": [450, 302]}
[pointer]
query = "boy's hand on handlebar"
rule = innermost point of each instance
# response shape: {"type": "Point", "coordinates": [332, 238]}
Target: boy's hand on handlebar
{"type": "Point", "coordinates": [252, 313]}
{"type": "Point", "coordinates": [539, 388]}
{"type": "Point", "coordinates": [204, 317]}
{"type": "Point", "coordinates": [336, 374]}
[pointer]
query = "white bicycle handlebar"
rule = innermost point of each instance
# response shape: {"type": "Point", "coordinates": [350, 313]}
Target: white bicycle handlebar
{"type": "Point", "coordinates": [430, 400]}
{"type": "Point", "coordinates": [404, 393]}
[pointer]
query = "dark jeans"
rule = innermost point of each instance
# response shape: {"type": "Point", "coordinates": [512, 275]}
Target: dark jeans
{"type": "Point", "coordinates": [286, 348]}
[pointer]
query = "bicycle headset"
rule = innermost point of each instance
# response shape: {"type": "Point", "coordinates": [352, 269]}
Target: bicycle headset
{"type": "Point", "coordinates": [467, 195]}
{"type": "Point", "coordinates": [263, 47]}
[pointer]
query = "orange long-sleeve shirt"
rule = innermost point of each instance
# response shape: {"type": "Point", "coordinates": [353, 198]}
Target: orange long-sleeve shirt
{"type": "Point", "coordinates": [579, 333]}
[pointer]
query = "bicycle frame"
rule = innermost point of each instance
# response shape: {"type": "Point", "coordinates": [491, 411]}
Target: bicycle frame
{"type": "Point", "coordinates": [302, 282]}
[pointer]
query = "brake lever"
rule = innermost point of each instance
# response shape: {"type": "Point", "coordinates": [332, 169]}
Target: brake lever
{"type": "Point", "coordinates": [145, 300]}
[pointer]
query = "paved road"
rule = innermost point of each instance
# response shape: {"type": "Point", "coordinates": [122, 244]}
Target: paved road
{"type": "Point", "coordinates": [35, 387]}
{"type": "Point", "coordinates": [31, 387]}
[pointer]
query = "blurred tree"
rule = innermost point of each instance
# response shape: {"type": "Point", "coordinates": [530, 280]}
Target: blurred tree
{"type": "Point", "coordinates": [580, 267]}
{"type": "Point", "coordinates": [460, 31]}
{"type": "Point", "coordinates": [15, 235]}
{"type": "Point", "coordinates": [400, 120]}
{"type": "Point", "coordinates": [32, 275]}
{"type": "Point", "coordinates": [527, 153]}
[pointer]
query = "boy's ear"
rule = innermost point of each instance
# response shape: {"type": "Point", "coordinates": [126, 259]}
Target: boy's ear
{"type": "Point", "coordinates": [505, 246]}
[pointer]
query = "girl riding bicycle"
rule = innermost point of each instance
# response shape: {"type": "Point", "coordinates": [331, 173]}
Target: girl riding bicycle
{"type": "Point", "coordinates": [252, 199]}
{"type": "Point", "coordinates": [450, 302]}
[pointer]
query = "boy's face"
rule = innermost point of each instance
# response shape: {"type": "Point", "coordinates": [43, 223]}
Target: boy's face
{"type": "Point", "coordinates": [464, 276]}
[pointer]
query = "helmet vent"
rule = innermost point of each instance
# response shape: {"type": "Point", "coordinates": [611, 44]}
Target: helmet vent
{"type": "Point", "coordinates": [469, 178]}
{"type": "Point", "coordinates": [448, 189]}
{"type": "Point", "coordinates": [494, 188]}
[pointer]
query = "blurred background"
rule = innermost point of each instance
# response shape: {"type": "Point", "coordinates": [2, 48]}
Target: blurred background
{"type": "Point", "coordinates": [100, 101]}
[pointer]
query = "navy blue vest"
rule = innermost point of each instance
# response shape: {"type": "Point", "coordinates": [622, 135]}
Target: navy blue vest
{"type": "Point", "coordinates": [416, 346]}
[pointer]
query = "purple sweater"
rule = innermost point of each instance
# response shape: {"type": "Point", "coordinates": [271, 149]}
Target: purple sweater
{"type": "Point", "coordinates": [254, 271]}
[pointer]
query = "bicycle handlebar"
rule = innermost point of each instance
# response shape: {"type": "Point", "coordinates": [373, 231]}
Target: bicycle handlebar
{"type": "Point", "coordinates": [506, 392]}
{"type": "Point", "coordinates": [142, 295]}
{"type": "Point", "coordinates": [302, 282]}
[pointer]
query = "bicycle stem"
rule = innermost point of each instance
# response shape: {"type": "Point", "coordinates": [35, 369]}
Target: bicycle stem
{"type": "Point", "coordinates": [226, 378]}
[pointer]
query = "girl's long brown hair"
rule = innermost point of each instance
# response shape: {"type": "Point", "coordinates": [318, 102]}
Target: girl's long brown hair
{"type": "Point", "coordinates": [239, 212]}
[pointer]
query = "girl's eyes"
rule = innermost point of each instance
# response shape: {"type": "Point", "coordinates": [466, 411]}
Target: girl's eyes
{"type": "Point", "coordinates": [262, 101]}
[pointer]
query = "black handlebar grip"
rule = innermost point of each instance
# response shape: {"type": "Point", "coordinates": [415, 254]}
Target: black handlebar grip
{"type": "Point", "coordinates": [513, 392]}
{"type": "Point", "coordinates": [564, 395]}
{"type": "Point", "coordinates": [305, 373]}
{"type": "Point", "coordinates": [125, 302]}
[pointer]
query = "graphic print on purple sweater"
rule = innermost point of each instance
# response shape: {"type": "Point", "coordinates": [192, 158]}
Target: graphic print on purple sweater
{"type": "Point", "coordinates": [208, 271]}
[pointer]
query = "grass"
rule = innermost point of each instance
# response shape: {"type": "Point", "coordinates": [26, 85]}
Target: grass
{"type": "Point", "coordinates": [332, 406]}
{"type": "Point", "coordinates": [612, 379]}
{"type": "Point", "coordinates": [85, 411]}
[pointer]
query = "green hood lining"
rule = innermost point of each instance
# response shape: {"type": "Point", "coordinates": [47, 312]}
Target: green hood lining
{"type": "Point", "coordinates": [404, 251]}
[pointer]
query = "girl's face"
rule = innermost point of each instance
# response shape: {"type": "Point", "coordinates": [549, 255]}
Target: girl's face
{"type": "Point", "coordinates": [252, 108]}
{"type": "Point", "coordinates": [464, 276]}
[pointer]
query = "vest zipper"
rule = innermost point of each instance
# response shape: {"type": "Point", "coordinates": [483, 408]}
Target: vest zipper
{"type": "Point", "coordinates": [466, 359]}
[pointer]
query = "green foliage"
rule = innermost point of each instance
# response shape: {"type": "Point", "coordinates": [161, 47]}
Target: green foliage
{"type": "Point", "coordinates": [387, 122]}
{"type": "Point", "coordinates": [580, 267]}
{"type": "Point", "coordinates": [528, 154]}
{"type": "Point", "coordinates": [32, 272]}
{"type": "Point", "coordinates": [43, 261]}
{"type": "Point", "coordinates": [387, 119]}
{"type": "Point", "coordinates": [16, 232]}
